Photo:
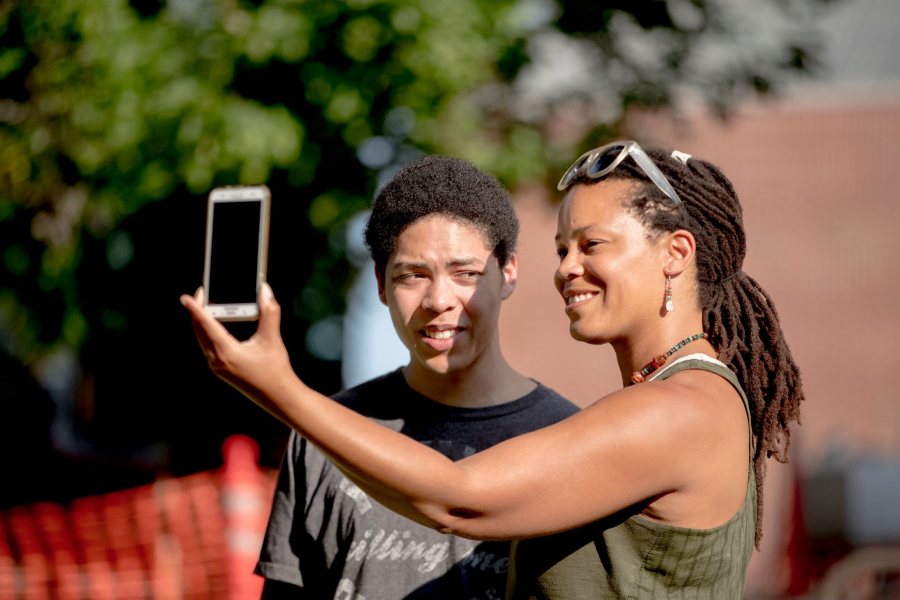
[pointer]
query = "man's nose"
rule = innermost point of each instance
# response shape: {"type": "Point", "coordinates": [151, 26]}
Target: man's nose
{"type": "Point", "coordinates": [440, 295]}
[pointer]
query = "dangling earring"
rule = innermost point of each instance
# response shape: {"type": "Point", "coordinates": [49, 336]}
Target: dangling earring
{"type": "Point", "coordinates": [668, 299]}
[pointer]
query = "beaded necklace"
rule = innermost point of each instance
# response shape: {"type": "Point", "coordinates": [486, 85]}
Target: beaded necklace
{"type": "Point", "coordinates": [641, 375]}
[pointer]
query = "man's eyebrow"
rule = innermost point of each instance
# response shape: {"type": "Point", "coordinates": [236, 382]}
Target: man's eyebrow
{"type": "Point", "coordinates": [458, 261]}
{"type": "Point", "coordinates": [464, 261]}
{"type": "Point", "coordinates": [406, 265]}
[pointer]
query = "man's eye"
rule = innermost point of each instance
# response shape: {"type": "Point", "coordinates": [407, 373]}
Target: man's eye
{"type": "Point", "coordinates": [561, 253]}
{"type": "Point", "coordinates": [469, 274]}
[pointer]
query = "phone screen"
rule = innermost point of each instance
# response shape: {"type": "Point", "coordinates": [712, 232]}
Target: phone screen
{"type": "Point", "coordinates": [234, 252]}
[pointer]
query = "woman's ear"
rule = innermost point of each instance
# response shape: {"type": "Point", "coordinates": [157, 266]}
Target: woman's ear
{"type": "Point", "coordinates": [680, 247]}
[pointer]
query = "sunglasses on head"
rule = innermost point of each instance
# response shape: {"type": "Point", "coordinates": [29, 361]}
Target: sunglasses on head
{"type": "Point", "coordinates": [601, 161]}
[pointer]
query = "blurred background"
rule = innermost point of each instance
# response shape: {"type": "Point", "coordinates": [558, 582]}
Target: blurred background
{"type": "Point", "coordinates": [117, 118]}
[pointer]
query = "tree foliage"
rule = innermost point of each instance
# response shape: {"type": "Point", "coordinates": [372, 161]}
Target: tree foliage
{"type": "Point", "coordinates": [111, 106]}
{"type": "Point", "coordinates": [117, 118]}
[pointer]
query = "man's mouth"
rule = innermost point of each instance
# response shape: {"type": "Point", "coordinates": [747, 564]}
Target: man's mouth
{"type": "Point", "coordinates": [440, 334]}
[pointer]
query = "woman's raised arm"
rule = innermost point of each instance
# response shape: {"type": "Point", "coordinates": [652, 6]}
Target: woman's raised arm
{"type": "Point", "coordinates": [590, 465]}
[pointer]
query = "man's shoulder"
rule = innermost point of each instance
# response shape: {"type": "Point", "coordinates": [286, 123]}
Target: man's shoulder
{"type": "Point", "coordinates": [547, 394]}
{"type": "Point", "coordinates": [548, 400]}
{"type": "Point", "coordinates": [374, 395]}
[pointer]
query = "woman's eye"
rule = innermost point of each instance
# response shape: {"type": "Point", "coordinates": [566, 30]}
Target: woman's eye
{"type": "Point", "coordinates": [561, 253]}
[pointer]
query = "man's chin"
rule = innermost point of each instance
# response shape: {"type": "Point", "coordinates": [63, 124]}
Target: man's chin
{"type": "Point", "coordinates": [442, 365]}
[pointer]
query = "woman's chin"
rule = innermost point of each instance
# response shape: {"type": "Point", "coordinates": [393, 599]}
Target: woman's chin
{"type": "Point", "coordinates": [588, 337]}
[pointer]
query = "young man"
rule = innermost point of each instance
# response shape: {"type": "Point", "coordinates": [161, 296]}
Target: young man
{"type": "Point", "coordinates": [443, 237]}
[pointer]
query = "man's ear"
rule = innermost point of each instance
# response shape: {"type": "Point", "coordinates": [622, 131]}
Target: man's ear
{"type": "Point", "coordinates": [510, 273]}
{"type": "Point", "coordinates": [679, 248]}
{"type": "Point", "coordinates": [379, 277]}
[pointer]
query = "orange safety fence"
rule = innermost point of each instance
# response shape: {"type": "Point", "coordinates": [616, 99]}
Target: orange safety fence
{"type": "Point", "coordinates": [193, 537]}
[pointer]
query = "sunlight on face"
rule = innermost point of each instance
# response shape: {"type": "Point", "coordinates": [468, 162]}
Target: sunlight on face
{"type": "Point", "coordinates": [610, 275]}
{"type": "Point", "coordinates": [444, 287]}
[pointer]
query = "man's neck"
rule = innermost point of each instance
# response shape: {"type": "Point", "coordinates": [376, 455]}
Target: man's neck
{"type": "Point", "coordinates": [478, 386]}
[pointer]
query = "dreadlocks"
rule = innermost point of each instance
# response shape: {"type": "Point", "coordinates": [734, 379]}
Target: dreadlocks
{"type": "Point", "coordinates": [738, 315]}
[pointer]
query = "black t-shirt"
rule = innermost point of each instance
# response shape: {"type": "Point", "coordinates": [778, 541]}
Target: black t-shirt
{"type": "Point", "coordinates": [327, 536]}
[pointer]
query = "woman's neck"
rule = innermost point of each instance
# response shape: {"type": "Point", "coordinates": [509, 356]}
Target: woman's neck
{"type": "Point", "coordinates": [676, 338]}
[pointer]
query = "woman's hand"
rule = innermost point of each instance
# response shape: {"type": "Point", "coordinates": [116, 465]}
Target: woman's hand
{"type": "Point", "coordinates": [257, 366]}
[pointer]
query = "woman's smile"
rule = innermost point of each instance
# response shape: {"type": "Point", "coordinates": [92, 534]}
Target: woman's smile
{"type": "Point", "coordinates": [575, 300]}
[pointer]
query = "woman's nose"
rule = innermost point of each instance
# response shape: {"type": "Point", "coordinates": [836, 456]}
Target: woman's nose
{"type": "Point", "coordinates": [569, 266]}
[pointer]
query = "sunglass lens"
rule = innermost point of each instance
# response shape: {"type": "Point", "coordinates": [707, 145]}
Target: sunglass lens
{"type": "Point", "coordinates": [603, 161]}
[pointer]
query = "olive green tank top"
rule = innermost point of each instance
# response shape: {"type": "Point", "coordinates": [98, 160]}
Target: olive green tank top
{"type": "Point", "coordinates": [629, 556]}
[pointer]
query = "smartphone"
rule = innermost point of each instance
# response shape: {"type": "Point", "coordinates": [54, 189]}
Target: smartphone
{"type": "Point", "coordinates": [237, 239]}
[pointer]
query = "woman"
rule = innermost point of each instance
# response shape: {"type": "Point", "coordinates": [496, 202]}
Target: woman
{"type": "Point", "coordinates": [654, 489]}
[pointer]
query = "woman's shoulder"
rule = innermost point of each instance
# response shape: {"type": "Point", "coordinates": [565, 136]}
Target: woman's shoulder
{"type": "Point", "coordinates": [692, 399]}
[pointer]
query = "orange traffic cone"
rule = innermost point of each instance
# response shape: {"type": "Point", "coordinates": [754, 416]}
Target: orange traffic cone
{"type": "Point", "coordinates": [245, 503]}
